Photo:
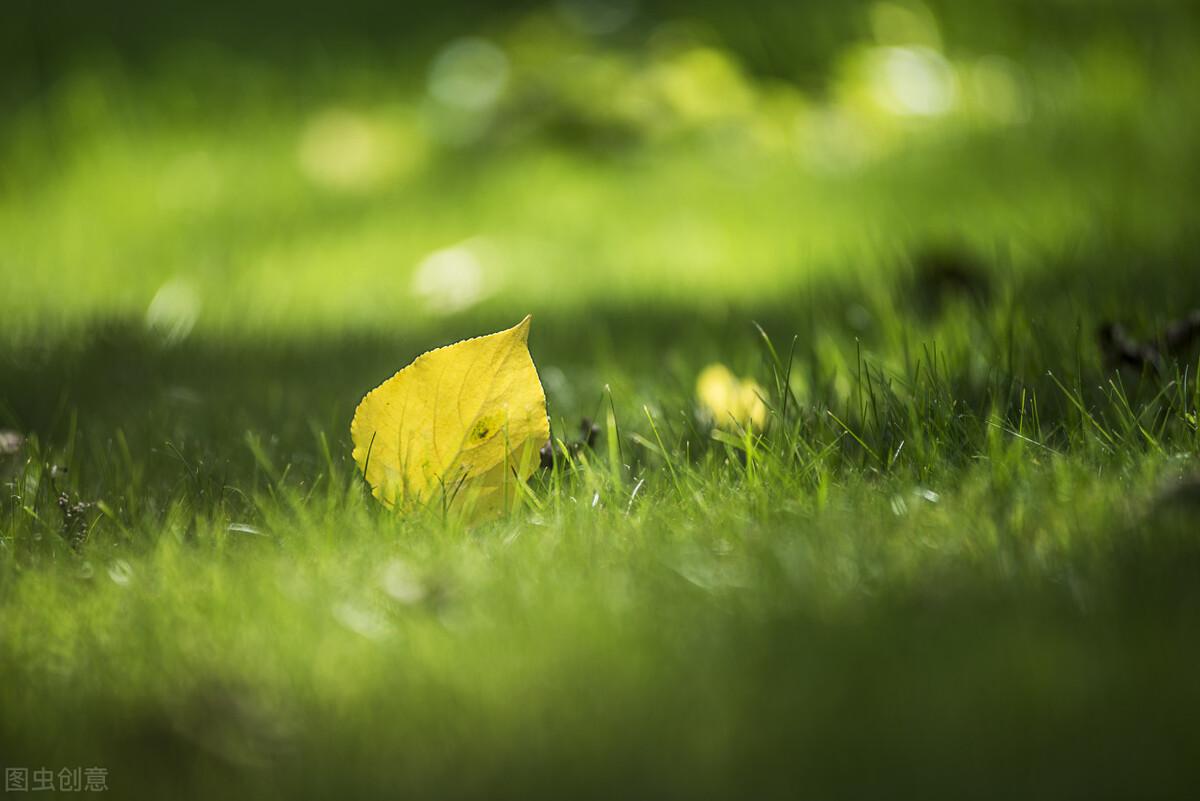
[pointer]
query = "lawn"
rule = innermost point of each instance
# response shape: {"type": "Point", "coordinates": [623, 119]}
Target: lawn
{"type": "Point", "coordinates": [959, 559]}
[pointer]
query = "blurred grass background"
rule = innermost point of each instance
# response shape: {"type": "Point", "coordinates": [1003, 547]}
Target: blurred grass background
{"type": "Point", "coordinates": [272, 171]}
{"type": "Point", "coordinates": [964, 563]}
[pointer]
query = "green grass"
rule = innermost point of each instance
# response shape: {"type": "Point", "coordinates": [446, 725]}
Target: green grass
{"type": "Point", "coordinates": [961, 560]}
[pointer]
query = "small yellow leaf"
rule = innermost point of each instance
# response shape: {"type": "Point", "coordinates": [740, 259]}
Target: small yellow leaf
{"type": "Point", "coordinates": [731, 401]}
{"type": "Point", "coordinates": [458, 429]}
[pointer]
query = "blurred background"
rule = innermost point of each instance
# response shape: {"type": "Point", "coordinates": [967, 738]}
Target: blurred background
{"type": "Point", "coordinates": [290, 168]}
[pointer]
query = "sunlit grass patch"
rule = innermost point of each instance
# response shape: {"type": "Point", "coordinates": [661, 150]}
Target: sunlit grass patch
{"type": "Point", "coordinates": [873, 414]}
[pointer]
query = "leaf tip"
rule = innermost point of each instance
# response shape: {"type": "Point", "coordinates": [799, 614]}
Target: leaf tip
{"type": "Point", "coordinates": [522, 328]}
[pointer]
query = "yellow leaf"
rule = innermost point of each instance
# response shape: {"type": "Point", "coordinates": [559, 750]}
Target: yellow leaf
{"type": "Point", "coordinates": [731, 401]}
{"type": "Point", "coordinates": [458, 429]}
